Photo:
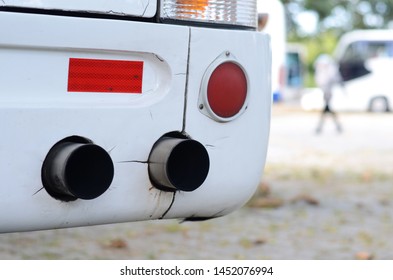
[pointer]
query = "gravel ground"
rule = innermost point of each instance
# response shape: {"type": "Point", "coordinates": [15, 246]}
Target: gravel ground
{"type": "Point", "coordinates": [326, 196]}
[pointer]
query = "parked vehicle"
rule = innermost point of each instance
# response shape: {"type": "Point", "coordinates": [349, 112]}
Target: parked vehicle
{"type": "Point", "coordinates": [272, 21]}
{"type": "Point", "coordinates": [119, 111]}
{"type": "Point", "coordinates": [295, 69]}
{"type": "Point", "coordinates": [365, 59]}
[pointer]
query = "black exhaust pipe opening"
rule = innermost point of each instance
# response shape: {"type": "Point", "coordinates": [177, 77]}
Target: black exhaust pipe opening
{"type": "Point", "coordinates": [75, 168]}
{"type": "Point", "coordinates": [178, 164]}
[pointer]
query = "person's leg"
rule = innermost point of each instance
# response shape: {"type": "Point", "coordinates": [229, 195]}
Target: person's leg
{"type": "Point", "coordinates": [322, 119]}
{"type": "Point", "coordinates": [334, 117]}
{"type": "Point", "coordinates": [336, 121]}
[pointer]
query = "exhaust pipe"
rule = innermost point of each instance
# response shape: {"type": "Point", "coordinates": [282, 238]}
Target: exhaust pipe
{"type": "Point", "coordinates": [77, 170]}
{"type": "Point", "coordinates": [178, 164]}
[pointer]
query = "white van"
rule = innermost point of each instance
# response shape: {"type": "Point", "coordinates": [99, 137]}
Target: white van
{"type": "Point", "coordinates": [365, 60]}
{"type": "Point", "coordinates": [119, 111]}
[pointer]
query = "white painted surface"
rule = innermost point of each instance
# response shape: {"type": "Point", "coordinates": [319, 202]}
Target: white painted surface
{"type": "Point", "coordinates": [36, 111]}
{"type": "Point", "coordinates": [140, 8]}
{"type": "Point", "coordinates": [237, 149]}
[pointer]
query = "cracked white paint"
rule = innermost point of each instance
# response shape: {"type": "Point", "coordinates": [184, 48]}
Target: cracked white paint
{"type": "Point", "coordinates": [34, 75]}
{"type": "Point", "coordinates": [140, 8]}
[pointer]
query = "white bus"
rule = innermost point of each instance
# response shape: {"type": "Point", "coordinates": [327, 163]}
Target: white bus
{"type": "Point", "coordinates": [365, 60]}
{"type": "Point", "coordinates": [119, 111]}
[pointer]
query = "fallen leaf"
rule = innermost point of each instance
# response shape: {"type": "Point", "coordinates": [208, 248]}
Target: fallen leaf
{"type": "Point", "coordinates": [307, 199]}
{"type": "Point", "coordinates": [364, 256]}
{"type": "Point", "coordinates": [118, 243]}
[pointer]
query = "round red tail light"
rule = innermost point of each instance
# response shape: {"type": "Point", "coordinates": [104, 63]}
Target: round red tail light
{"type": "Point", "coordinates": [227, 90]}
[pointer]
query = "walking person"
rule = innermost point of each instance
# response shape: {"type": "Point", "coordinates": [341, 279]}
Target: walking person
{"type": "Point", "coordinates": [326, 76]}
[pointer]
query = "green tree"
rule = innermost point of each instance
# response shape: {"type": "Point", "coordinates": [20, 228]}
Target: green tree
{"type": "Point", "coordinates": [343, 15]}
{"type": "Point", "coordinates": [335, 17]}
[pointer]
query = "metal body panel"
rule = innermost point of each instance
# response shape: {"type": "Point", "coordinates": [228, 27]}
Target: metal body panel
{"type": "Point", "coordinates": [36, 112]}
{"type": "Point", "coordinates": [140, 8]}
{"type": "Point", "coordinates": [238, 148]}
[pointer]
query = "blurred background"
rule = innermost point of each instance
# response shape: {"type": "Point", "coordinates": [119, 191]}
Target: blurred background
{"type": "Point", "coordinates": [327, 189]}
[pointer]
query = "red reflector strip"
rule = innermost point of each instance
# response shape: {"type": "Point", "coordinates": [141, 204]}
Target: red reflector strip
{"type": "Point", "coordinates": [98, 75]}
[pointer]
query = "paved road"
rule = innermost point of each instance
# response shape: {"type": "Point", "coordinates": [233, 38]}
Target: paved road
{"type": "Point", "coordinates": [366, 141]}
{"type": "Point", "coordinates": [326, 196]}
